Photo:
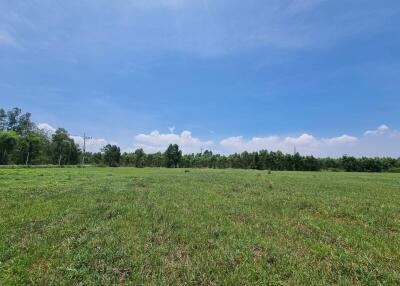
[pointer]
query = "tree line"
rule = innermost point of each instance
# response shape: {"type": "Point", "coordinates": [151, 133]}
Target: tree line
{"type": "Point", "coordinates": [23, 143]}
{"type": "Point", "coordinates": [261, 160]}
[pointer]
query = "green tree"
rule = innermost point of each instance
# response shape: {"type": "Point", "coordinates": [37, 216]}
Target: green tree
{"type": "Point", "coordinates": [172, 156]}
{"type": "Point", "coordinates": [64, 149]}
{"type": "Point", "coordinates": [33, 149]}
{"type": "Point", "coordinates": [93, 158]}
{"type": "Point", "coordinates": [8, 141]}
{"type": "Point", "coordinates": [255, 163]}
{"type": "Point", "coordinates": [3, 120]}
{"type": "Point", "coordinates": [350, 164]}
{"type": "Point", "coordinates": [139, 158]}
{"type": "Point", "coordinates": [12, 118]}
{"type": "Point", "coordinates": [25, 125]}
{"type": "Point", "coordinates": [112, 155]}
{"type": "Point", "coordinates": [297, 161]}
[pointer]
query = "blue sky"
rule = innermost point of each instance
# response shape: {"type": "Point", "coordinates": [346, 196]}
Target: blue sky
{"type": "Point", "coordinates": [228, 75]}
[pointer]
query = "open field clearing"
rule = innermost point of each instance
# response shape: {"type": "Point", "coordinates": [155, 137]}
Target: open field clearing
{"type": "Point", "coordinates": [104, 226]}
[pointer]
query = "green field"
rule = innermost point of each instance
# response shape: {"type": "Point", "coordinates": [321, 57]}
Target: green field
{"type": "Point", "coordinates": [103, 226]}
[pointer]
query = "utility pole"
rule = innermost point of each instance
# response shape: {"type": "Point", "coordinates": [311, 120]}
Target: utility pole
{"type": "Point", "coordinates": [84, 147]}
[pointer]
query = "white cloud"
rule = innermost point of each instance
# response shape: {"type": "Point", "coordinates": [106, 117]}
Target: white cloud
{"type": "Point", "coordinates": [379, 131]}
{"type": "Point", "coordinates": [303, 140]}
{"type": "Point", "coordinates": [344, 139]}
{"type": "Point", "coordinates": [382, 141]}
{"type": "Point", "coordinates": [156, 141]}
{"type": "Point", "coordinates": [238, 143]}
{"type": "Point", "coordinates": [171, 129]}
{"type": "Point", "coordinates": [47, 128]}
{"type": "Point", "coordinates": [305, 144]}
{"type": "Point", "coordinates": [92, 145]}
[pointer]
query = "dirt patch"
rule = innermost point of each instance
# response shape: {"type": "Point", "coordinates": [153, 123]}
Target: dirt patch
{"type": "Point", "coordinates": [257, 252]}
{"type": "Point", "coordinates": [122, 274]}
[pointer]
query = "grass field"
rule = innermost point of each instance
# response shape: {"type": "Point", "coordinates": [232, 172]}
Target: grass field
{"type": "Point", "coordinates": [102, 226]}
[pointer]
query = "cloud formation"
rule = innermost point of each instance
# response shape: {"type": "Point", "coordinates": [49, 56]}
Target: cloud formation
{"type": "Point", "coordinates": [47, 128]}
{"type": "Point", "coordinates": [379, 131]}
{"type": "Point", "coordinates": [92, 145]}
{"type": "Point", "coordinates": [305, 144]}
{"type": "Point", "coordinates": [156, 141]}
{"type": "Point", "coordinates": [383, 141]}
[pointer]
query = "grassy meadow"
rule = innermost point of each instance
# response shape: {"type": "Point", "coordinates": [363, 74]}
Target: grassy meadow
{"type": "Point", "coordinates": [126, 226]}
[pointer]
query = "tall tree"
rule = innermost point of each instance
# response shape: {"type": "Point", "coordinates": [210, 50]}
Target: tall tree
{"type": "Point", "coordinates": [25, 125]}
{"type": "Point", "coordinates": [8, 141]}
{"type": "Point", "coordinates": [172, 156]}
{"type": "Point", "coordinates": [140, 158]}
{"type": "Point", "coordinates": [64, 149]}
{"type": "Point", "coordinates": [33, 149]}
{"type": "Point", "coordinates": [112, 155]}
{"type": "Point", "coordinates": [12, 118]}
{"type": "Point", "coordinates": [3, 120]}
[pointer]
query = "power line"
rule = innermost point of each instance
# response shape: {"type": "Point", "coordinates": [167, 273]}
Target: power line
{"type": "Point", "coordinates": [84, 147]}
